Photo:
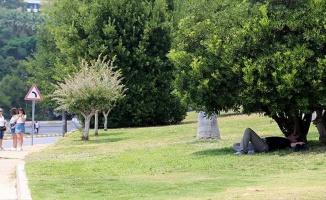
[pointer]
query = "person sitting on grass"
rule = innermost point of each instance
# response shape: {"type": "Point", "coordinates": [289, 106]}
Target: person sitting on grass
{"type": "Point", "coordinates": [251, 143]}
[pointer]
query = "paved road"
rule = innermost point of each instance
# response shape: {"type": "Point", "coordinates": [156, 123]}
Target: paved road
{"type": "Point", "coordinates": [28, 141]}
{"type": "Point", "coordinates": [52, 130]}
{"type": "Point", "coordinates": [49, 127]}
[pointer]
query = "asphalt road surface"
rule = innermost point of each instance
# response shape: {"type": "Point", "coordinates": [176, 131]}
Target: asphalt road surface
{"type": "Point", "coordinates": [48, 127]}
{"type": "Point", "coordinates": [7, 144]}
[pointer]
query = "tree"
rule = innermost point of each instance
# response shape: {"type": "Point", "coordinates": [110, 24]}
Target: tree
{"type": "Point", "coordinates": [89, 89]}
{"type": "Point", "coordinates": [137, 33]}
{"type": "Point", "coordinates": [268, 57]}
{"type": "Point", "coordinates": [12, 4]}
{"type": "Point", "coordinates": [44, 69]}
{"type": "Point", "coordinates": [96, 123]}
{"type": "Point", "coordinates": [17, 41]}
{"type": "Point", "coordinates": [13, 78]}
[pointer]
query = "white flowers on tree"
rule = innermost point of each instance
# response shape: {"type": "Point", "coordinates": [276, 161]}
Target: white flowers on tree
{"type": "Point", "coordinates": [96, 87]}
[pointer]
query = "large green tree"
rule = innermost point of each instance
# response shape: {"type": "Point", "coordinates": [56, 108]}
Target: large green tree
{"type": "Point", "coordinates": [267, 56]}
{"type": "Point", "coordinates": [12, 4]}
{"type": "Point", "coordinates": [17, 41]}
{"type": "Point", "coordinates": [47, 67]}
{"type": "Point", "coordinates": [138, 34]}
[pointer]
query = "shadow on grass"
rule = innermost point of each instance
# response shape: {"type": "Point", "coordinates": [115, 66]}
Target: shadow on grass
{"type": "Point", "coordinates": [215, 152]}
{"type": "Point", "coordinates": [188, 122]}
{"type": "Point", "coordinates": [199, 141]}
{"type": "Point", "coordinates": [105, 137]}
{"type": "Point", "coordinates": [104, 140]}
{"type": "Point", "coordinates": [314, 147]}
{"type": "Point", "coordinates": [96, 141]}
{"type": "Point", "coordinates": [106, 134]}
{"type": "Point", "coordinates": [230, 151]}
{"type": "Point", "coordinates": [229, 114]}
{"type": "Point", "coordinates": [219, 116]}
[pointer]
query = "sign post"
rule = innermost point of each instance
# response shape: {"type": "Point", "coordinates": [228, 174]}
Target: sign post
{"type": "Point", "coordinates": [33, 95]}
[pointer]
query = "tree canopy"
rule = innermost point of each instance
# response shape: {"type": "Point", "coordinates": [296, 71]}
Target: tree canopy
{"type": "Point", "coordinates": [12, 4]}
{"type": "Point", "coordinates": [95, 86]}
{"type": "Point", "coordinates": [136, 33]}
{"type": "Point", "coordinates": [17, 41]}
{"type": "Point", "coordinates": [267, 56]}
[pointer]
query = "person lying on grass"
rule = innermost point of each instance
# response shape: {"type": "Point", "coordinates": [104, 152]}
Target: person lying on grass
{"type": "Point", "coordinates": [251, 143]}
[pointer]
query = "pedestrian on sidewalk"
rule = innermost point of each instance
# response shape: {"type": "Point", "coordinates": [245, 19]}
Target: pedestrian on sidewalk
{"type": "Point", "coordinates": [12, 123]}
{"type": "Point", "coordinates": [37, 127]}
{"type": "Point", "coordinates": [20, 128]}
{"type": "Point", "coordinates": [2, 128]}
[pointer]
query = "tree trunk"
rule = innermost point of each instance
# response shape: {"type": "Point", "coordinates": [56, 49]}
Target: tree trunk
{"type": "Point", "coordinates": [297, 124]}
{"type": "Point", "coordinates": [319, 122]}
{"type": "Point", "coordinates": [87, 124]}
{"type": "Point", "coordinates": [207, 126]}
{"type": "Point", "coordinates": [96, 123]}
{"type": "Point", "coordinates": [302, 124]}
{"type": "Point", "coordinates": [106, 114]}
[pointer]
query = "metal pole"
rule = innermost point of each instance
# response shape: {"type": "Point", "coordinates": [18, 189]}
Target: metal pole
{"type": "Point", "coordinates": [33, 111]}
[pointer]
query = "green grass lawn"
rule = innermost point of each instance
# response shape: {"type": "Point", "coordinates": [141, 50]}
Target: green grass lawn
{"type": "Point", "coordinates": [168, 162]}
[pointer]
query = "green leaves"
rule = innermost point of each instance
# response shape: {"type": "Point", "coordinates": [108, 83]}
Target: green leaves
{"type": "Point", "coordinates": [95, 87]}
{"type": "Point", "coordinates": [202, 53]}
{"type": "Point", "coordinates": [265, 56]}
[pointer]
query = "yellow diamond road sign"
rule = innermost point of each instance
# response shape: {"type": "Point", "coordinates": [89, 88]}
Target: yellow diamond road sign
{"type": "Point", "coordinates": [33, 94]}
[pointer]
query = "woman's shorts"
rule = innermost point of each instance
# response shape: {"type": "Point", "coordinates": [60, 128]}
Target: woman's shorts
{"type": "Point", "coordinates": [20, 128]}
{"type": "Point", "coordinates": [12, 128]}
{"type": "Point", "coordinates": [2, 133]}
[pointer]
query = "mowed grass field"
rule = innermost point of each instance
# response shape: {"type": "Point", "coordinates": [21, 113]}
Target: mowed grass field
{"type": "Point", "coordinates": [168, 162]}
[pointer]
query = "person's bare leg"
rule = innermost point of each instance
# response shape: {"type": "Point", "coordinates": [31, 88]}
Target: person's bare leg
{"type": "Point", "coordinates": [19, 141]}
{"type": "Point", "coordinates": [14, 141]}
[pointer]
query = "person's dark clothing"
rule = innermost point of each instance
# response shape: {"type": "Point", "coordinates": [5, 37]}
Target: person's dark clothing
{"type": "Point", "coordinates": [251, 141]}
{"type": "Point", "coordinates": [276, 143]}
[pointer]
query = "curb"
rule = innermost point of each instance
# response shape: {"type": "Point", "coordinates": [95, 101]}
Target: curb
{"type": "Point", "coordinates": [9, 136]}
{"type": "Point", "coordinates": [23, 192]}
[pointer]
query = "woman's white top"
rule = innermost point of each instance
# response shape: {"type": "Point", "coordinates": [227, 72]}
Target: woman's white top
{"type": "Point", "coordinates": [12, 119]}
{"type": "Point", "coordinates": [20, 119]}
{"type": "Point", "coordinates": [2, 121]}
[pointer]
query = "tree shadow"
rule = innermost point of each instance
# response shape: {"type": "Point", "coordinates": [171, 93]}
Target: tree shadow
{"type": "Point", "coordinates": [188, 122]}
{"type": "Point", "coordinates": [107, 134]}
{"type": "Point", "coordinates": [316, 146]}
{"type": "Point", "coordinates": [313, 147]}
{"type": "Point", "coordinates": [103, 137]}
{"type": "Point", "coordinates": [229, 114]}
{"type": "Point", "coordinates": [215, 152]}
{"type": "Point", "coordinates": [230, 151]}
{"type": "Point", "coordinates": [96, 141]}
{"type": "Point", "coordinates": [104, 140]}
{"type": "Point", "coordinates": [219, 116]}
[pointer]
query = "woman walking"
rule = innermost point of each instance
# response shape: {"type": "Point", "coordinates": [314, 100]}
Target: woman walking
{"type": "Point", "coordinates": [13, 113]}
{"type": "Point", "coordinates": [2, 128]}
{"type": "Point", "coordinates": [20, 128]}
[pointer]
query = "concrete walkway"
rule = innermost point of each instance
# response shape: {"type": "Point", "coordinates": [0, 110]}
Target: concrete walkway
{"type": "Point", "coordinates": [13, 181]}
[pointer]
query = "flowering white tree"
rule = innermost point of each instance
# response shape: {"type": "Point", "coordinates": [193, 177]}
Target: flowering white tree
{"type": "Point", "coordinates": [93, 88]}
